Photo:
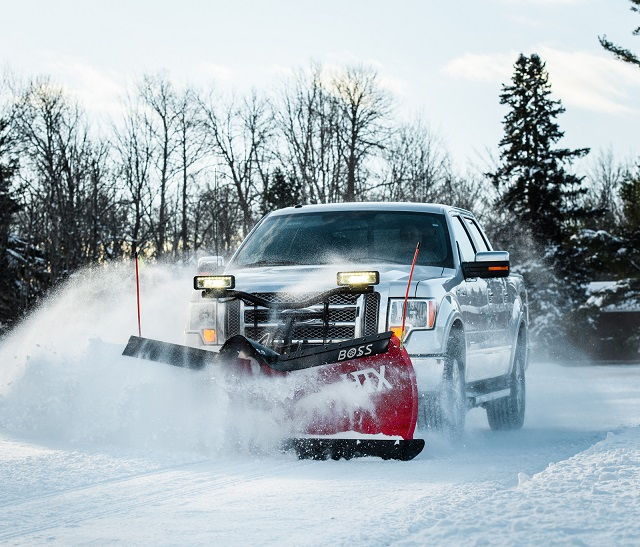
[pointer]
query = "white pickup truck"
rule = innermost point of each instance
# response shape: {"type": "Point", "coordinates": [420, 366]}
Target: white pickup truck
{"type": "Point", "coordinates": [466, 317]}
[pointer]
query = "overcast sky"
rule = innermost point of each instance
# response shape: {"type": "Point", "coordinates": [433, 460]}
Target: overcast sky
{"type": "Point", "coordinates": [443, 59]}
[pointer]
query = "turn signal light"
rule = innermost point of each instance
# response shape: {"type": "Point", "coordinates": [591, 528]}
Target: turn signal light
{"type": "Point", "coordinates": [209, 336]}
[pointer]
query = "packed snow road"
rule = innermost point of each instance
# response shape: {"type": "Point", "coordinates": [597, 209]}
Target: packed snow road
{"type": "Point", "coordinates": [95, 448]}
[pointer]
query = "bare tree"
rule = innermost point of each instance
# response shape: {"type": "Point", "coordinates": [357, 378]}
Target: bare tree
{"type": "Point", "coordinates": [604, 178]}
{"type": "Point", "coordinates": [217, 219]}
{"type": "Point", "coordinates": [308, 119]}
{"type": "Point", "coordinates": [415, 166]}
{"type": "Point", "coordinates": [364, 110]}
{"type": "Point", "coordinates": [54, 139]}
{"type": "Point", "coordinates": [158, 95]}
{"type": "Point", "coordinates": [241, 136]}
{"type": "Point", "coordinates": [191, 149]}
{"type": "Point", "coordinates": [135, 157]}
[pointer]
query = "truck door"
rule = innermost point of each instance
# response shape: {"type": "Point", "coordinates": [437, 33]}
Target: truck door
{"type": "Point", "coordinates": [472, 296]}
{"type": "Point", "coordinates": [498, 311]}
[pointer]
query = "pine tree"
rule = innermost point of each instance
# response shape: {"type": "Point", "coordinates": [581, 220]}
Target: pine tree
{"type": "Point", "coordinates": [630, 197]}
{"type": "Point", "coordinates": [532, 179]}
{"type": "Point", "coordinates": [8, 208]}
{"type": "Point", "coordinates": [538, 201]}
{"type": "Point", "coordinates": [620, 52]}
{"type": "Point", "coordinates": [630, 229]}
{"type": "Point", "coordinates": [282, 192]}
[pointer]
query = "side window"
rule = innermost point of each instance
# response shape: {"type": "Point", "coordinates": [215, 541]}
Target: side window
{"type": "Point", "coordinates": [478, 240]}
{"type": "Point", "coordinates": [466, 247]}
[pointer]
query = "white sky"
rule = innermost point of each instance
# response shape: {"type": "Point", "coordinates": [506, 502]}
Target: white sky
{"type": "Point", "coordinates": [443, 59]}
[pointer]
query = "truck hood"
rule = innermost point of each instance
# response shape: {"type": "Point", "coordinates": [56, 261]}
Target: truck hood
{"type": "Point", "coordinates": [302, 279]}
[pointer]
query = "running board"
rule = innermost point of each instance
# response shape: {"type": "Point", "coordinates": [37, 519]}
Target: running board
{"type": "Point", "coordinates": [478, 400]}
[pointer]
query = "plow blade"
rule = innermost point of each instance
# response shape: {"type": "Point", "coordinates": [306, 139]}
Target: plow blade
{"type": "Point", "coordinates": [365, 386]}
{"type": "Point", "coordinates": [335, 449]}
{"type": "Point", "coordinates": [171, 354]}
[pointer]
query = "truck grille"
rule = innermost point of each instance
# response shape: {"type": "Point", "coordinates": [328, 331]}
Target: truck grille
{"type": "Point", "coordinates": [371, 309]}
{"type": "Point", "coordinates": [349, 316]}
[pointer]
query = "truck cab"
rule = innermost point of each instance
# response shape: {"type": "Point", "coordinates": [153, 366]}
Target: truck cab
{"type": "Point", "coordinates": [466, 318]}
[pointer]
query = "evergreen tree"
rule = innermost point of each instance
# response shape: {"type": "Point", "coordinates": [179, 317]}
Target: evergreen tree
{"type": "Point", "coordinates": [8, 207]}
{"type": "Point", "coordinates": [630, 232]}
{"type": "Point", "coordinates": [282, 191]}
{"type": "Point", "coordinates": [538, 201]}
{"type": "Point", "coordinates": [532, 179]}
{"type": "Point", "coordinates": [630, 197]}
{"type": "Point", "coordinates": [620, 52]}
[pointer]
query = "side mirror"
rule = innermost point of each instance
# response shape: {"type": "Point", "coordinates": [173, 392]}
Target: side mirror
{"type": "Point", "coordinates": [487, 264]}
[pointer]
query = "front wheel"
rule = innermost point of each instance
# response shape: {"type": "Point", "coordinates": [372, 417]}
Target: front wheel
{"type": "Point", "coordinates": [507, 413]}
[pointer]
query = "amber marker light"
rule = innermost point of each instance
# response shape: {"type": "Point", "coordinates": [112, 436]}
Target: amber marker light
{"type": "Point", "coordinates": [209, 336]}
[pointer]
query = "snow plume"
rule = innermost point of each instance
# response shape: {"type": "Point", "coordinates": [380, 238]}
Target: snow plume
{"type": "Point", "coordinates": [63, 378]}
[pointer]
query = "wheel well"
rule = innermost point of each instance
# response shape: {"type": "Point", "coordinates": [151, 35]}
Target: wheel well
{"type": "Point", "coordinates": [522, 341]}
{"type": "Point", "coordinates": [522, 333]}
{"type": "Point", "coordinates": [456, 336]}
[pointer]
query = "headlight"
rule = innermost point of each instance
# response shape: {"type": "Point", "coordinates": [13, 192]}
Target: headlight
{"type": "Point", "coordinates": [421, 314]}
{"type": "Point", "coordinates": [358, 279]}
{"type": "Point", "coordinates": [214, 282]}
{"type": "Point", "coordinates": [202, 319]}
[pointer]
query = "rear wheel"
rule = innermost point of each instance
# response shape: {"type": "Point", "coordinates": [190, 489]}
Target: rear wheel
{"type": "Point", "coordinates": [446, 409]}
{"type": "Point", "coordinates": [508, 412]}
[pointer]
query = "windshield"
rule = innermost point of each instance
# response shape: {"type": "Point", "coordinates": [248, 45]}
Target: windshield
{"type": "Point", "coordinates": [348, 236]}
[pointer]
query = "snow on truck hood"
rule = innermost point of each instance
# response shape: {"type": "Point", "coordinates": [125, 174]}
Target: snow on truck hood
{"type": "Point", "coordinates": [323, 277]}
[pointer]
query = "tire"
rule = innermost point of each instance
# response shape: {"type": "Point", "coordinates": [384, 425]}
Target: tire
{"type": "Point", "coordinates": [507, 413]}
{"type": "Point", "coordinates": [445, 410]}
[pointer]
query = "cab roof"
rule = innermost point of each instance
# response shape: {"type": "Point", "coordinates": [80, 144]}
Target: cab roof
{"type": "Point", "coordinates": [372, 206]}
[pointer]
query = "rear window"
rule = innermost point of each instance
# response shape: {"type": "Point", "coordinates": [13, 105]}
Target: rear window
{"type": "Point", "coordinates": [478, 240]}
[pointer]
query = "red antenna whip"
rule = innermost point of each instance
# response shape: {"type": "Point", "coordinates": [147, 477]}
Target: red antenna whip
{"type": "Point", "coordinates": [406, 294]}
{"type": "Point", "coordinates": [138, 292]}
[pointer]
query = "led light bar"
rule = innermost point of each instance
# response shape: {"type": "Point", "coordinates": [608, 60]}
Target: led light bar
{"type": "Point", "coordinates": [358, 279]}
{"type": "Point", "coordinates": [214, 282]}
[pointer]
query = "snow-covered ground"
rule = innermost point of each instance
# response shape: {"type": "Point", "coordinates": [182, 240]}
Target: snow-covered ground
{"type": "Point", "coordinates": [96, 448]}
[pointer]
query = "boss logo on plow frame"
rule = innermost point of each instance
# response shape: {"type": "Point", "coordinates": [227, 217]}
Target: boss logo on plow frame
{"type": "Point", "coordinates": [352, 353]}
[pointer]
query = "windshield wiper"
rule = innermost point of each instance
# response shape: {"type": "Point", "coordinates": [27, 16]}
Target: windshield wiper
{"type": "Point", "coordinates": [270, 263]}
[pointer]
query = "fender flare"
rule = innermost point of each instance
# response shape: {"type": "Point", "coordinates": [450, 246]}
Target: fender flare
{"type": "Point", "coordinates": [453, 315]}
{"type": "Point", "coordinates": [521, 325]}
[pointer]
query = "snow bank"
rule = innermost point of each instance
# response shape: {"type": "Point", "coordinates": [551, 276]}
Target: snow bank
{"type": "Point", "coordinates": [588, 499]}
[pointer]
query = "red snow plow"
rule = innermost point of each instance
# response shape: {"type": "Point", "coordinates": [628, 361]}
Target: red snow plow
{"type": "Point", "coordinates": [353, 398]}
